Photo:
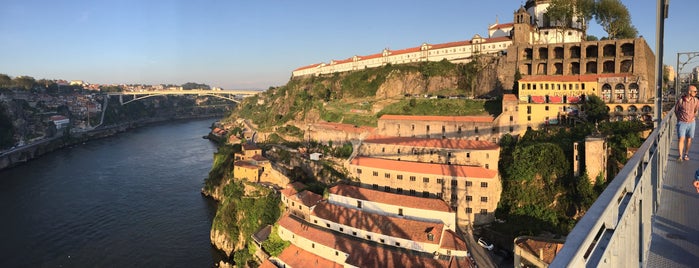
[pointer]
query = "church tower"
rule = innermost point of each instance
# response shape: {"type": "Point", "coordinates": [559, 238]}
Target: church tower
{"type": "Point", "coordinates": [523, 29]}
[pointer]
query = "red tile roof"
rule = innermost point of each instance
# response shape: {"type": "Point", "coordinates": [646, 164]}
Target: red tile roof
{"type": "Point", "coordinates": [550, 249]}
{"type": "Point", "coordinates": [390, 198]}
{"type": "Point", "coordinates": [259, 158]}
{"type": "Point", "coordinates": [295, 256]}
{"type": "Point", "coordinates": [362, 254]}
{"type": "Point", "coordinates": [453, 241]}
{"type": "Point", "coordinates": [267, 264]}
{"type": "Point", "coordinates": [288, 192]}
{"type": "Point", "coordinates": [509, 97]}
{"type": "Point", "coordinates": [433, 143]}
{"type": "Point", "coordinates": [308, 66]}
{"type": "Point", "coordinates": [380, 224]}
{"type": "Point", "coordinates": [343, 127]}
{"type": "Point", "coordinates": [250, 147]}
{"type": "Point", "coordinates": [426, 168]}
{"type": "Point", "coordinates": [245, 164]}
{"type": "Point", "coordinates": [569, 78]}
{"type": "Point", "coordinates": [308, 198]}
{"type": "Point", "coordinates": [475, 119]}
{"type": "Point", "coordinates": [501, 25]}
{"type": "Point", "coordinates": [450, 44]}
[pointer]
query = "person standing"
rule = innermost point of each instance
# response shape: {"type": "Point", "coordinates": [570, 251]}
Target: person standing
{"type": "Point", "coordinates": [686, 110]}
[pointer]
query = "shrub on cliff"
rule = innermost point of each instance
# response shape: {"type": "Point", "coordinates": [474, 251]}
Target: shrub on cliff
{"type": "Point", "coordinates": [243, 210]}
{"type": "Point", "coordinates": [222, 168]}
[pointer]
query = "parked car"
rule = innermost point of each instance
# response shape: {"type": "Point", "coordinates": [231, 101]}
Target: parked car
{"type": "Point", "coordinates": [485, 244]}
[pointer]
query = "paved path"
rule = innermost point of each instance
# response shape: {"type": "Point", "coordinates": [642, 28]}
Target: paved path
{"type": "Point", "coordinates": [675, 237]}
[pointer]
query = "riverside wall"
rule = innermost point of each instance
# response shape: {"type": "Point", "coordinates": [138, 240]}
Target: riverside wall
{"type": "Point", "coordinates": [42, 147]}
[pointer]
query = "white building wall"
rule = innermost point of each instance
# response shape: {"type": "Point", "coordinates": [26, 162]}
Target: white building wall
{"type": "Point", "coordinates": [315, 248]}
{"type": "Point", "coordinates": [450, 53]}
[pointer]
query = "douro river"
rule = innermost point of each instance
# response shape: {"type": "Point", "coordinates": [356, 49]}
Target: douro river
{"type": "Point", "coordinates": [131, 200]}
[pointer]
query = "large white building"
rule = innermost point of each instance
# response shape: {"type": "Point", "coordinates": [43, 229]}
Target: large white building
{"type": "Point", "coordinates": [540, 30]}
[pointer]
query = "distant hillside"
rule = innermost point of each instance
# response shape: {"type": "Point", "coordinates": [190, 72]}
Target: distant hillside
{"type": "Point", "coordinates": [358, 97]}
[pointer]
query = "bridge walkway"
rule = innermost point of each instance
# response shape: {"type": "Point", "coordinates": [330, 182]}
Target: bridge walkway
{"type": "Point", "coordinates": [675, 225]}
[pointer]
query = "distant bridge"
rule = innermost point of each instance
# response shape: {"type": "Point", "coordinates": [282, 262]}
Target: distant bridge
{"type": "Point", "coordinates": [222, 94]}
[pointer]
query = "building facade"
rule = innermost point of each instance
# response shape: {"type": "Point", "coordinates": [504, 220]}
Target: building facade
{"type": "Point", "coordinates": [473, 192]}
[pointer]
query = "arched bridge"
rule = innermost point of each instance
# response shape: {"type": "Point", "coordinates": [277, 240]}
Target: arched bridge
{"type": "Point", "coordinates": [223, 94]}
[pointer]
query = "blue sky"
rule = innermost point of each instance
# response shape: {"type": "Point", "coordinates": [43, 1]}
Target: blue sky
{"type": "Point", "coordinates": [255, 44]}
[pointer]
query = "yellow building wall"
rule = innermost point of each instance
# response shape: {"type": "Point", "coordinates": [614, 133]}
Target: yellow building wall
{"type": "Point", "coordinates": [472, 157]}
{"type": "Point", "coordinates": [475, 199]}
{"type": "Point", "coordinates": [244, 172]}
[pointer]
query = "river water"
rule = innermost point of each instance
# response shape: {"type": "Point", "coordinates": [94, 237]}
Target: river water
{"type": "Point", "coordinates": [131, 200]}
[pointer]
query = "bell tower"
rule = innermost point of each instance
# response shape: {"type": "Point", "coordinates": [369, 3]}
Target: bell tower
{"type": "Point", "coordinates": [523, 29]}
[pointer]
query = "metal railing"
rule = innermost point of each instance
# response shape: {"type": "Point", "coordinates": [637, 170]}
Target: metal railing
{"type": "Point", "coordinates": [616, 230]}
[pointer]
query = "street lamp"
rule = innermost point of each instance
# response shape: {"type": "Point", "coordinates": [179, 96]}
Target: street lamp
{"type": "Point", "coordinates": [683, 58]}
{"type": "Point", "coordinates": [662, 9]}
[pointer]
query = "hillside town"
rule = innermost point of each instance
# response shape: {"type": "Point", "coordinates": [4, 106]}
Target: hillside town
{"type": "Point", "coordinates": [423, 184]}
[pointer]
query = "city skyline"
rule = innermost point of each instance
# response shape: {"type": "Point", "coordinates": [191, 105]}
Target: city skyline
{"type": "Point", "coordinates": [255, 45]}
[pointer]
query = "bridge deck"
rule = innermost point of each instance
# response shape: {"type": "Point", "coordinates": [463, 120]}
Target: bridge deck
{"type": "Point", "coordinates": [675, 237]}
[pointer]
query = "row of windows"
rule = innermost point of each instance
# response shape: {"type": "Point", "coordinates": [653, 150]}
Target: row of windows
{"type": "Point", "coordinates": [412, 192]}
{"type": "Point", "coordinates": [444, 128]}
{"type": "Point", "coordinates": [470, 210]}
{"type": "Point", "coordinates": [424, 179]}
{"type": "Point", "coordinates": [553, 86]}
{"type": "Point", "coordinates": [432, 152]}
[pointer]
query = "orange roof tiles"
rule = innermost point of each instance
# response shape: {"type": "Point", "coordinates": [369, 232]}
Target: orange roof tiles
{"type": "Point", "coordinates": [308, 198]}
{"type": "Point", "coordinates": [267, 264]}
{"type": "Point", "coordinates": [405, 51]}
{"type": "Point", "coordinates": [501, 25]}
{"type": "Point", "coordinates": [362, 254]}
{"type": "Point", "coordinates": [433, 143]}
{"type": "Point", "coordinates": [509, 97]}
{"type": "Point", "coordinates": [453, 241]}
{"type": "Point", "coordinates": [308, 66]}
{"type": "Point", "coordinates": [390, 198]}
{"type": "Point", "coordinates": [294, 256]}
{"type": "Point", "coordinates": [380, 224]}
{"type": "Point", "coordinates": [569, 78]}
{"type": "Point", "coordinates": [426, 168]}
{"type": "Point", "coordinates": [259, 158]}
{"type": "Point", "coordinates": [288, 192]}
{"type": "Point", "coordinates": [550, 249]}
{"type": "Point", "coordinates": [450, 44]}
{"type": "Point", "coordinates": [343, 127]}
{"type": "Point", "coordinates": [474, 119]}
{"type": "Point", "coordinates": [250, 147]}
{"type": "Point", "coordinates": [245, 164]}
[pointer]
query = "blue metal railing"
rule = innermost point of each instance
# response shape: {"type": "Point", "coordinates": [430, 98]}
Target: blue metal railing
{"type": "Point", "coordinates": [616, 230]}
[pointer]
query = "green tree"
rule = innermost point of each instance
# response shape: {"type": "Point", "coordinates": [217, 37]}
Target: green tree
{"type": "Point", "coordinates": [515, 85]}
{"type": "Point", "coordinates": [26, 82]}
{"type": "Point", "coordinates": [192, 85]}
{"type": "Point", "coordinates": [7, 130]}
{"type": "Point", "coordinates": [615, 19]}
{"type": "Point", "coordinates": [5, 81]}
{"type": "Point", "coordinates": [595, 109]}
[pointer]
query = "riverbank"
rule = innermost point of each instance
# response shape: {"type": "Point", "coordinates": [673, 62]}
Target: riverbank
{"type": "Point", "coordinates": [37, 149]}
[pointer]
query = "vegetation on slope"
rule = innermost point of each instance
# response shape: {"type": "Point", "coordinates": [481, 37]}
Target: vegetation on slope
{"type": "Point", "coordinates": [456, 107]}
{"type": "Point", "coordinates": [347, 97]}
{"type": "Point", "coordinates": [540, 192]}
{"type": "Point", "coordinates": [242, 212]}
